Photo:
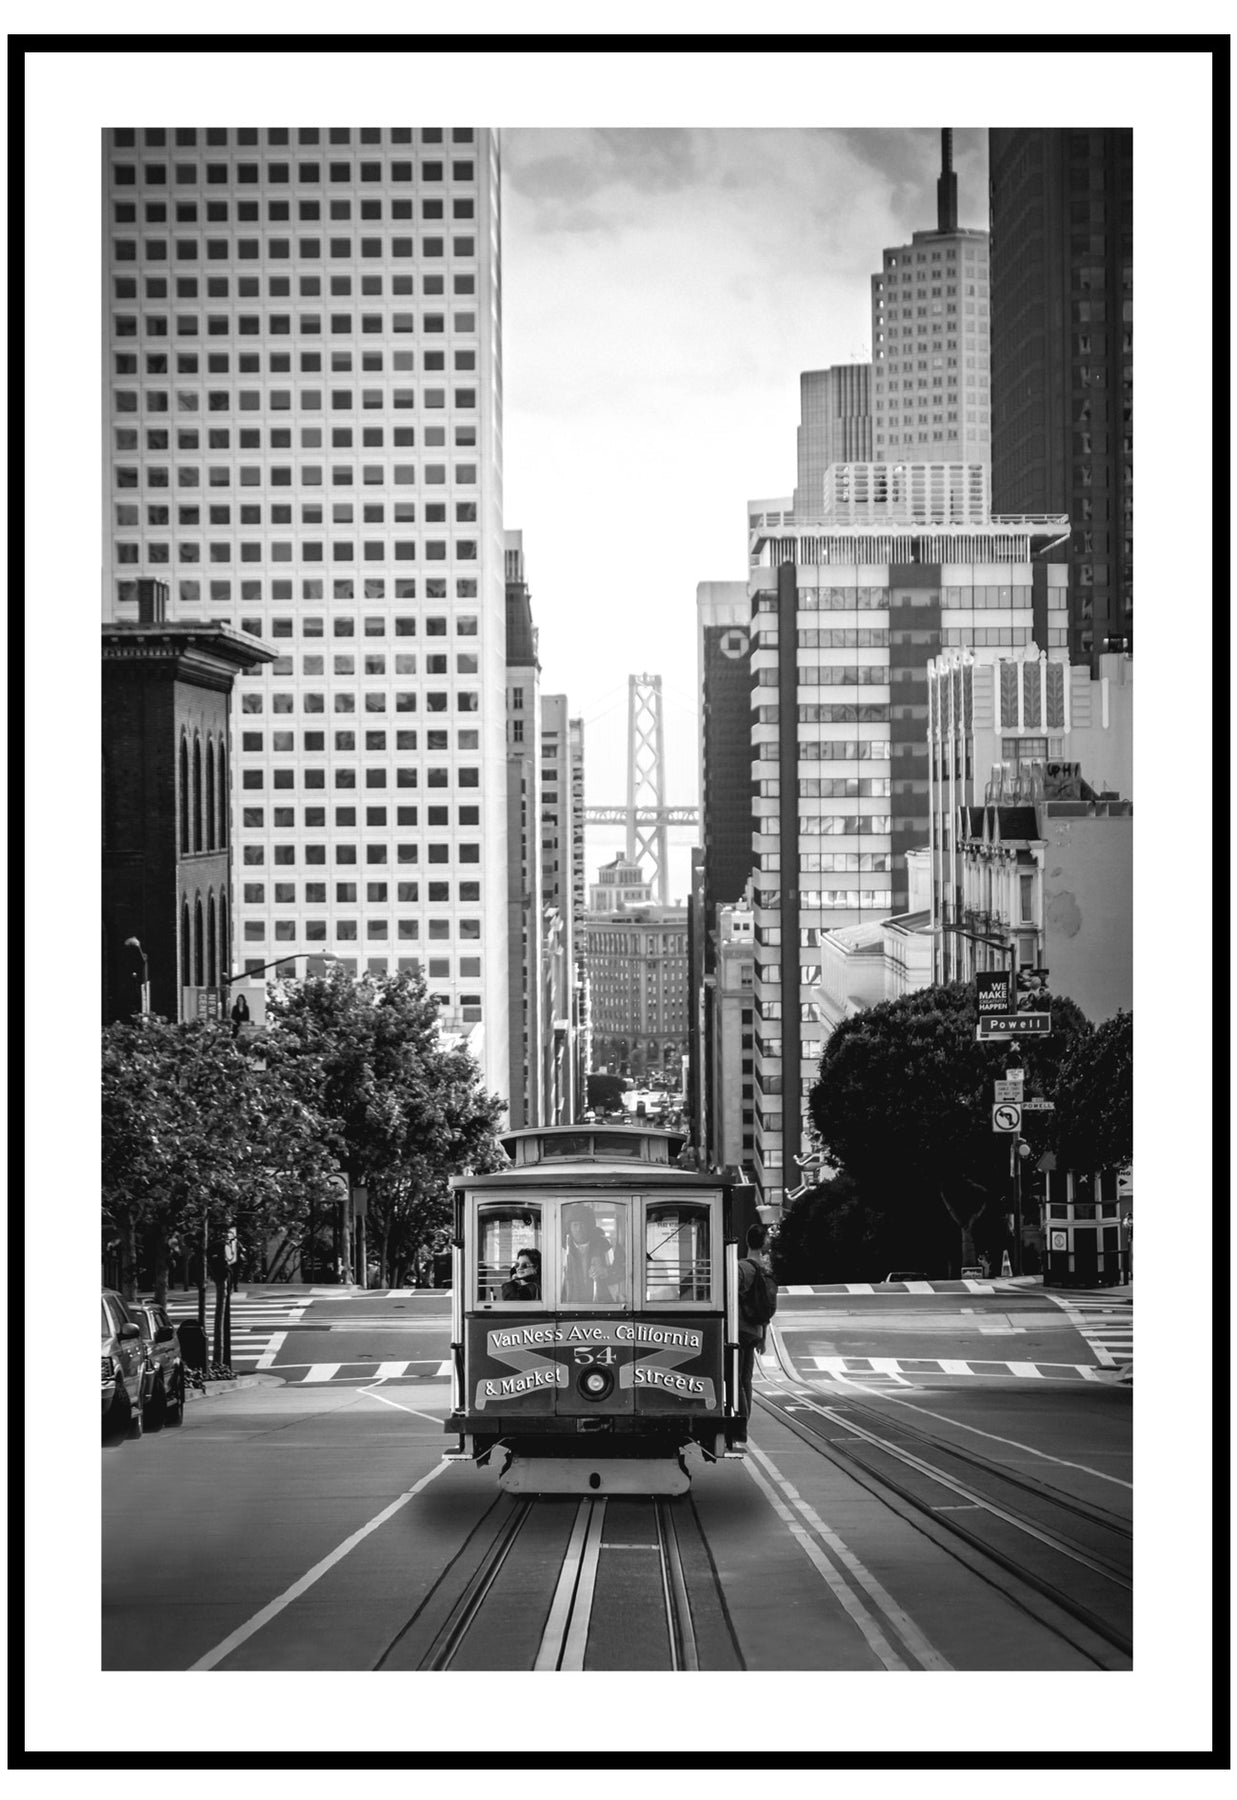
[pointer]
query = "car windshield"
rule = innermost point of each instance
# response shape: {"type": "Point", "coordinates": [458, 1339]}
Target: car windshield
{"type": "Point", "coordinates": [107, 1323]}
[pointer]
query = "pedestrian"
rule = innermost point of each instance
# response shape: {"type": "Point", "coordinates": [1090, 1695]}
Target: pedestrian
{"type": "Point", "coordinates": [757, 1305]}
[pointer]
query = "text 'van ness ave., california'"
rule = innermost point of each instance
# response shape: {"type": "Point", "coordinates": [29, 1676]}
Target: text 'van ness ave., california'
{"type": "Point", "coordinates": [602, 1331]}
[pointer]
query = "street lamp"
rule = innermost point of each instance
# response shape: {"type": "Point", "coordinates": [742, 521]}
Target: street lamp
{"type": "Point", "coordinates": [1010, 949]}
{"type": "Point", "coordinates": [245, 974]}
{"type": "Point", "coordinates": [133, 943]}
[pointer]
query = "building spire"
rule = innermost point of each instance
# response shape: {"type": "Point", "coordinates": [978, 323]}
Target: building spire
{"type": "Point", "coordinates": [947, 186]}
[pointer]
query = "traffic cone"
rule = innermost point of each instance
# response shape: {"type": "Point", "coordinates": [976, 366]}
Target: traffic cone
{"type": "Point", "coordinates": [1006, 1265]}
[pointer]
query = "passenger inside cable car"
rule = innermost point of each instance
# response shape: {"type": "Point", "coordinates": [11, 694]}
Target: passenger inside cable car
{"type": "Point", "coordinates": [525, 1282]}
{"type": "Point", "coordinates": [507, 1236]}
{"type": "Point", "coordinates": [589, 1274]}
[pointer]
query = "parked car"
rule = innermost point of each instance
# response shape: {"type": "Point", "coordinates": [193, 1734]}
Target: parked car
{"type": "Point", "coordinates": [906, 1275]}
{"type": "Point", "coordinates": [163, 1387]}
{"type": "Point", "coordinates": [124, 1366]}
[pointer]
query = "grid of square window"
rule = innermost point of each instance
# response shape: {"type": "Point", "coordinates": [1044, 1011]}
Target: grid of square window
{"type": "Point", "coordinates": [301, 363]}
{"type": "Point", "coordinates": [930, 327]}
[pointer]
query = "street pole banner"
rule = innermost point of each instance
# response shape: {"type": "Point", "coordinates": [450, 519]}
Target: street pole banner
{"type": "Point", "coordinates": [992, 994]}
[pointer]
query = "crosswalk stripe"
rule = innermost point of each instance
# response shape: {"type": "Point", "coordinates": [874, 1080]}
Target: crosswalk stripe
{"type": "Point", "coordinates": [320, 1372]}
{"type": "Point", "coordinates": [390, 1369]}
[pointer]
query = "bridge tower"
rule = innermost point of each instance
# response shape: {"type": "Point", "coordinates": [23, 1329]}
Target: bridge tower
{"type": "Point", "coordinates": [646, 819]}
{"type": "Point", "coordinates": [647, 838]}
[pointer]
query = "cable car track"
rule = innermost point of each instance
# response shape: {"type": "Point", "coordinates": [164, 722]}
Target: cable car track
{"type": "Point", "coordinates": [1058, 1549]}
{"type": "Point", "coordinates": [567, 1585]}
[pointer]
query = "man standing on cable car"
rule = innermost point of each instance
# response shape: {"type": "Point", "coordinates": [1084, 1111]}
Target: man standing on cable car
{"type": "Point", "coordinates": [582, 1244]}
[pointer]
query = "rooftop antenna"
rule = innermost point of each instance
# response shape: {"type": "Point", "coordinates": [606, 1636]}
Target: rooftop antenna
{"type": "Point", "coordinates": [947, 186]}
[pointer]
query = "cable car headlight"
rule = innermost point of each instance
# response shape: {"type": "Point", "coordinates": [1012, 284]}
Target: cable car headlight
{"type": "Point", "coordinates": [596, 1383]}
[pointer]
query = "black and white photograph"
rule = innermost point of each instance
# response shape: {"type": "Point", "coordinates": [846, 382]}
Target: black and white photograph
{"type": "Point", "coordinates": [613, 1149]}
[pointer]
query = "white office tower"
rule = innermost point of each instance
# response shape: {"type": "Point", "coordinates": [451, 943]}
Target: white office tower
{"type": "Point", "coordinates": [303, 428]}
{"type": "Point", "coordinates": [930, 340]}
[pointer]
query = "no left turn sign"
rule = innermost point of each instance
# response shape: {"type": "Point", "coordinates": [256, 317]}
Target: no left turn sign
{"type": "Point", "coordinates": [1006, 1117]}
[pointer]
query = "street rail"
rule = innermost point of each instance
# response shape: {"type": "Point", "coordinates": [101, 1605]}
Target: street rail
{"type": "Point", "coordinates": [1065, 1560]}
{"type": "Point", "coordinates": [553, 1584]}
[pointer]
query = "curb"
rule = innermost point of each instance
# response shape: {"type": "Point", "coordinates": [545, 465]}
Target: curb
{"type": "Point", "coordinates": [213, 1389]}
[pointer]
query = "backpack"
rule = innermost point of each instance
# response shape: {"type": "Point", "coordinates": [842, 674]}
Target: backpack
{"type": "Point", "coordinates": [758, 1300]}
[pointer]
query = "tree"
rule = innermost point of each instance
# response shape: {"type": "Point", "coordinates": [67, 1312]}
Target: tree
{"type": "Point", "coordinates": [903, 1105]}
{"type": "Point", "coordinates": [203, 1135]}
{"type": "Point", "coordinates": [605, 1092]}
{"type": "Point", "coordinates": [829, 1233]}
{"type": "Point", "coordinates": [403, 1112]}
{"type": "Point", "coordinates": [1095, 1099]}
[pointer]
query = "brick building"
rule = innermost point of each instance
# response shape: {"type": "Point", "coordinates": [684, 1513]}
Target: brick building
{"type": "Point", "coordinates": [167, 687]}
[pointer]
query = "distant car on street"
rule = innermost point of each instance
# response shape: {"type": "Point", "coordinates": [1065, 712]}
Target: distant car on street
{"type": "Point", "coordinates": [906, 1275]}
{"type": "Point", "coordinates": [124, 1366]}
{"type": "Point", "coordinates": [163, 1387]}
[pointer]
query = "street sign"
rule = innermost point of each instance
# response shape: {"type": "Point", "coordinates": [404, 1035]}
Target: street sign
{"type": "Point", "coordinates": [1035, 1104]}
{"type": "Point", "coordinates": [1007, 1090]}
{"type": "Point", "coordinates": [1058, 1240]}
{"type": "Point", "coordinates": [1026, 1024]}
{"type": "Point", "coordinates": [1006, 1117]}
{"type": "Point", "coordinates": [992, 994]}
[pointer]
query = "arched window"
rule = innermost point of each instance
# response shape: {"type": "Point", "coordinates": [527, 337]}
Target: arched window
{"type": "Point", "coordinates": [197, 793]}
{"type": "Point", "coordinates": [199, 947]}
{"type": "Point", "coordinates": [211, 835]}
{"type": "Point", "coordinates": [186, 945]}
{"type": "Point", "coordinates": [221, 838]}
{"type": "Point", "coordinates": [184, 795]}
{"type": "Point", "coordinates": [212, 965]}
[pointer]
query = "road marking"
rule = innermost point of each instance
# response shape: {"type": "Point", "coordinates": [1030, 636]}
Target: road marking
{"type": "Point", "coordinates": [1025, 1369]}
{"type": "Point", "coordinates": [913, 1640]}
{"type": "Point", "coordinates": [268, 1355]}
{"type": "Point", "coordinates": [1062, 1462]}
{"type": "Point", "coordinates": [390, 1369]}
{"type": "Point", "coordinates": [376, 1394]}
{"type": "Point", "coordinates": [214, 1657]}
{"type": "Point", "coordinates": [319, 1372]}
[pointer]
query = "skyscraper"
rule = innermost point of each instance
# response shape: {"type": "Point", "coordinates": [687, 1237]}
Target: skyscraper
{"type": "Point", "coordinates": [847, 614]}
{"type": "Point", "coordinates": [561, 766]}
{"type": "Point", "coordinates": [835, 426]}
{"type": "Point", "coordinates": [930, 340]}
{"type": "Point", "coordinates": [526, 1020]}
{"type": "Point", "coordinates": [302, 407]}
{"type": "Point", "coordinates": [1062, 358]}
{"type": "Point", "coordinates": [723, 615]}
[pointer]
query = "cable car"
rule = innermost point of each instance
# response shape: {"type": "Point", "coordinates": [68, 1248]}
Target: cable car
{"type": "Point", "coordinates": [594, 1313]}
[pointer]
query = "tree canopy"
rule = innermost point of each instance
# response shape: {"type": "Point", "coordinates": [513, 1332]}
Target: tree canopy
{"type": "Point", "coordinates": [1095, 1099]}
{"type": "Point", "coordinates": [203, 1134]}
{"type": "Point", "coordinates": [903, 1106]}
{"type": "Point", "coordinates": [403, 1112]}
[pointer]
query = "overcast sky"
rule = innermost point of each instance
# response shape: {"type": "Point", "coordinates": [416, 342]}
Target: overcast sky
{"type": "Point", "coordinates": [662, 292]}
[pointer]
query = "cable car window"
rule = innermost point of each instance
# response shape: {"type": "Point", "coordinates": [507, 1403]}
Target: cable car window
{"type": "Point", "coordinates": [594, 1234]}
{"type": "Point", "coordinates": [509, 1252]}
{"type": "Point", "coordinates": [677, 1256]}
{"type": "Point", "coordinates": [618, 1145]}
{"type": "Point", "coordinates": [567, 1148]}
